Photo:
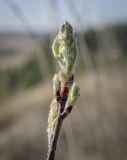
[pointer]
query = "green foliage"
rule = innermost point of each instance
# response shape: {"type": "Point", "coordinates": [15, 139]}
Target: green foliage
{"type": "Point", "coordinates": [6, 53]}
{"type": "Point", "coordinates": [120, 33]}
{"type": "Point", "coordinates": [30, 73]}
{"type": "Point", "coordinates": [3, 85]}
{"type": "Point", "coordinates": [15, 79]}
{"type": "Point", "coordinates": [91, 40]}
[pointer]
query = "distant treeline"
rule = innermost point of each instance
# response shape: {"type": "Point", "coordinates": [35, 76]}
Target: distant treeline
{"type": "Point", "coordinates": [117, 33]}
{"type": "Point", "coordinates": [31, 74]}
{"type": "Point", "coordinates": [15, 79]}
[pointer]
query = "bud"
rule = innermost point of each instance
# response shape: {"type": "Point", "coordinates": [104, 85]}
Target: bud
{"type": "Point", "coordinates": [65, 48]}
{"type": "Point", "coordinates": [53, 114]}
{"type": "Point", "coordinates": [73, 95]}
{"type": "Point", "coordinates": [56, 84]}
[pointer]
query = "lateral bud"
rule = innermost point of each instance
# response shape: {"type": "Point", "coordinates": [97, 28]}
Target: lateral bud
{"type": "Point", "coordinates": [56, 85]}
{"type": "Point", "coordinates": [73, 95]}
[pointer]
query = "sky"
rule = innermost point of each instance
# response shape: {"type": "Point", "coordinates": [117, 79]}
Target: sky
{"type": "Point", "coordinates": [47, 15]}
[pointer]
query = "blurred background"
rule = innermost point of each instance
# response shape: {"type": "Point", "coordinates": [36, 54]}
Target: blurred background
{"type": "Point", "coordinates": [97, 126]}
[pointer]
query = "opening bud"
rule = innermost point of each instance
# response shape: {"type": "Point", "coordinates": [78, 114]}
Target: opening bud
{"type": "Point", "coordinates": [73, 95]}
{"type": "Point", "coordinates": [65, 48]}
{"type": "Point", "coordinates": [56, 84]}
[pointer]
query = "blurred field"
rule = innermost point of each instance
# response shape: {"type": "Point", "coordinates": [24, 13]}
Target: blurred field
{"type": "Point", "coordinates": [14, 49]}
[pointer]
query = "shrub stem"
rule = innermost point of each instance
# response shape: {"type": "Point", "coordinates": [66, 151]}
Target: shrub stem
{"type": "Point", "coordinates": [52, 149]}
